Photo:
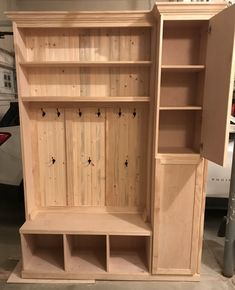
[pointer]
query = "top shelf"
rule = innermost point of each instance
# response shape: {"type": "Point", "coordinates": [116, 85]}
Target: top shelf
{"type": "Point", "coordinates": [183, 68]}
{"type": "Point", "coordinates": [83, 63]}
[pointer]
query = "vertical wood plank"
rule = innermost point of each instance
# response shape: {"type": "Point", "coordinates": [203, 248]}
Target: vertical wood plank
{"type": "Point", "coordinates": [85, 141]}
{"type": "Point", "coordinates": [126, 157]}
{"type": "Point", "coordinates": [51, 157]}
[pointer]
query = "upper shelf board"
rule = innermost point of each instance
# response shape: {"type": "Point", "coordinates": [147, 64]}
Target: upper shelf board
{"type": "Point", "coordinates": [84, 63]}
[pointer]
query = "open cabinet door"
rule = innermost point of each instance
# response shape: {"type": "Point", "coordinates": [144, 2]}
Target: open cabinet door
{"type": "Point", "coordinates": [218, 85]}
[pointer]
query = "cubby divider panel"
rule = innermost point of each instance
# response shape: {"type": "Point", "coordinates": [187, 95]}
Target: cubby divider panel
{"type": "Point", "coordinates": [85, 253]}
{"type": "Point", "coordinates": [129, 254]}
{"type": "Point", "coordinates": [42, 253]}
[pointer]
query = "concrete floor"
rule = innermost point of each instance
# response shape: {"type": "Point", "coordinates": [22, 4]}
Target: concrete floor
{"type": "Point", "coordinates": [12, 216]}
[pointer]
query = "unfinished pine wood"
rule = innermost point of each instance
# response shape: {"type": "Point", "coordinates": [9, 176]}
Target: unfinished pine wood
{"type": "Point", "coordinates": [219, 86]}
{"type": "Point", "coordinates": [85, 149]}
{"type": "Point", "coordinates": [177, 242]}
{"type": "Point", "coordinates": [183, 68]}
{"type": "Point", "coordinates": [83, 63]}
{"type": "Point", "coordinates": [49, 156]}
{"type": "Point", "coordinates": [87, 223]}
{"type": "Point", "coordinates": [53, 99]}
{"type": "Point", "coordinates": [111, 112]}
{"type": "Point", "coordinates": [88, 81]}
{"type": "Point", "coordinates": [182, 42]}
{"type": "Point", "coordinates": [93, 44]}
{"type": "Point", "coordinates": [126, 157]}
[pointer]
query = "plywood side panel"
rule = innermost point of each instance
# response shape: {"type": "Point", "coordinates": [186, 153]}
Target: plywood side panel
{"type": "Point", "coordinates": [94, 44]}
{"type": "Point", "coordinates": [85, 140]}
{"type": "Point", "coordinates": [50, 162]}
{"type": "Point", "coordinates": [126, 132]}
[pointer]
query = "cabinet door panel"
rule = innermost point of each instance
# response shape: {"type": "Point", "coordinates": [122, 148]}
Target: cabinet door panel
{"type": "Point", "coordinates": [85, 142]}
{"type": "Point", "coordinates": [218, 85]}
{"type": "Point", "coordinates": [177, 211]}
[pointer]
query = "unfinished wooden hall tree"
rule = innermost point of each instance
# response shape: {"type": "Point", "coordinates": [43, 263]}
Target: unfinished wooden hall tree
{"type": "Point", "coordinates": [118, 111]}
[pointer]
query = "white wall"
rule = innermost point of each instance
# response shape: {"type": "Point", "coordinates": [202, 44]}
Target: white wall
{"type": "Point", "coordinates": [84, 4]}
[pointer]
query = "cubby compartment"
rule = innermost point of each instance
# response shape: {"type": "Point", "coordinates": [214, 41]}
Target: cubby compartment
{"type": "Point", "coordinates": [129, 254]}
{"type": "Point", "coordinates": [179, 132]}
{"type": "Point", "coordinates": [85, 253]}
{"type": "Point", "coordinates": [87, 82]}
{"type": "Point", "coordinates": [181, 89]}
{"type": "Point", "coordinates": [42, 253]}
{"type": "Point", "coordinates": [184, 42]}
{"type": "Point", "coordinates": [86, 44]}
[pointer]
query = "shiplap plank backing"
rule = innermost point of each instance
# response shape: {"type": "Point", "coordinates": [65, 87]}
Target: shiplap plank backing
{"type": "Point", "coordinates": [97, 81]}
{"type": "Point", "coordinates": [85, 140]}
{"type": "Point", "coordinates": [94, 44]}
{"type": "Point", "coordinates": [50, 162]}
{"type": "Point", "coordinates": [126, 157]}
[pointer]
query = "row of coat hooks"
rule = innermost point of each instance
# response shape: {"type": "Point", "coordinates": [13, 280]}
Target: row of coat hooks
{"type": "Point", "coordinates": [89, 162]}
{"type": "Point", "coordinates": [98, 113]}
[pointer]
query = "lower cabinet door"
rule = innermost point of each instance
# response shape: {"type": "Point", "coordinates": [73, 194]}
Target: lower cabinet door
{"type": "Point", "coordinates": [178, 211]}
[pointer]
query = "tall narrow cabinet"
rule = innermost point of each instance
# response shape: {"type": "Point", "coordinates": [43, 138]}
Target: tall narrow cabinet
{"type": "Point", "coordinates": [119, 112]}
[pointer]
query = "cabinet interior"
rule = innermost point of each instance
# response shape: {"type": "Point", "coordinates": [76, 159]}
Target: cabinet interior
{"type": "Point", "coordinates": [86, 253]}
{"type": "Point", "coordinates": [184, 42]}
{"type": "Point", "coordinates": [43, 252]}
{"type": "Point", "coordinates": [129, 252]}
{"type": "Point", "coordinates": [179, 132]}
{"type": "Point", "coordinates": [181, 89]}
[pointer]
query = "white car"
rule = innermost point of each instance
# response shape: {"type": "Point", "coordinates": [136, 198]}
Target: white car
{"type": "Point", "coordinates": [10, 156]}
{"type": "Point", "coordinates": [10, 150]}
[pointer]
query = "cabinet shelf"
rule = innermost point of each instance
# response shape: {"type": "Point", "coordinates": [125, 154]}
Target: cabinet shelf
{"type": "Point", "coordinates": [177, 150]}
{"type": "Point", "coordinates": [183, 68]}
{"type": "Point", "coordinates": [85, 99]}
{"type": "Point", "coordinates": [84, 63]}
{"type": "Point", "coordinates": [189, 108]}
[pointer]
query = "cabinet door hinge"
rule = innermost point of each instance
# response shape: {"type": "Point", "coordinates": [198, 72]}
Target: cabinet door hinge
{"type": "Point", "coordinates": [209, 29]}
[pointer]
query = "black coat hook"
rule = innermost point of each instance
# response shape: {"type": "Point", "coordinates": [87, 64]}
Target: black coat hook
{"type": "Point", "coordinates": [79, 113]}
{"type": "Point", "coordinates": [120, 112]}
{"type": "Point", "coordinates": [134, 113]}
{"type": "Point", "coordinates": [43, 112]}
{"type": "Point", "coordinates": [58, 112]}
{"type": "Point", "coordinates": [126, 163]}
{"type": "Point", "coordinates": [53, 160]}
{"type": "Point", "coordinates": [98, 113]}
{"type": "Point", "coordinates": [90, 162]}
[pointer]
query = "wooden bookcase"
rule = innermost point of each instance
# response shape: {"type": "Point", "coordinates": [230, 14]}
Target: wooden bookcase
{"type": "Point", "coordinates": [119, 111]}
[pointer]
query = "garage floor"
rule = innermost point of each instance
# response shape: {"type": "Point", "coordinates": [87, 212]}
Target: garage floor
{"type": "Point", "coordinates": [11, 217]}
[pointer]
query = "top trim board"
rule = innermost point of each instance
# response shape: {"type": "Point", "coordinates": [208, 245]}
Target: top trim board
{"type": "Point", "coordinates": [81, 19]}
{"type": "Point", "coordinates": [187, 11]}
